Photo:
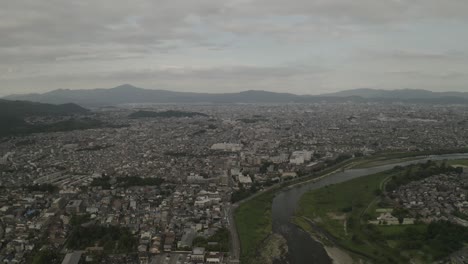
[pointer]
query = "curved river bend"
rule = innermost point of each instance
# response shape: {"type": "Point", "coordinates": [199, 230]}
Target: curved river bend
{"type": "Point", "coordinates": [302, 248]}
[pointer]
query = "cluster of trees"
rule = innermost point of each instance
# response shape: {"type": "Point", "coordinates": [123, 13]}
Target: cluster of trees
{"type": "Point", "coordinates": [339, 159]}
{"type": "Point", "coordinates": [264, 166]}
{"type": "Point", "coordinates": [138, 181]}
{"type": "Point", "coordinates": [217, 242]}
{"type": "Point", "coordinates": [438, 239]}
{"type": "Point", "coordinates": [10, 126]}
{"type": "Point", "coordinates": [77, 220]}
{"type": "Point", "coordinates": [105, 182]}
{"type": "Point", "coordinates": [46, 256]}
{"type": "Point", "coordinates": [243, 193]}
{"type": "Point", "coordinates": [461, 215]}
{"type": "Point", "coordinates": [112, 239]}
{"type": "Point", "coordinates": [418, 172]}
{"type": "Point", "coordinates": [46, 187]}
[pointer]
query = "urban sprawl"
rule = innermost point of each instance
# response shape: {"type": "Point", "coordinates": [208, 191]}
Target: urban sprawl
{"type": "Point", "coordinates": [166, 188]}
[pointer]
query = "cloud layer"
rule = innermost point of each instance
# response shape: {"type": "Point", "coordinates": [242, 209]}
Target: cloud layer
{"type": "Point", "coordinates": [302, 46]}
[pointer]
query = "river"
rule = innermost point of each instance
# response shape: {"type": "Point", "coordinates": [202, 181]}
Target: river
{"type": "Point", "coordinates": [303, 249]}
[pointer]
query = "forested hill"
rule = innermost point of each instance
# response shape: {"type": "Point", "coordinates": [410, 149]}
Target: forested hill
{"type": "Point", "coordinates": [21, 109]}
{"type": "Point", "coordinates": [13, 114]}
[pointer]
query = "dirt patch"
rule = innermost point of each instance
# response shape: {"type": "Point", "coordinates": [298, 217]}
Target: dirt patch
{"type": "Point", "coordinates": [273, 250]}
{"type": "Point", "coordinates": [339, 256]}
{"type": "Point", "coordinates": [336, 216]}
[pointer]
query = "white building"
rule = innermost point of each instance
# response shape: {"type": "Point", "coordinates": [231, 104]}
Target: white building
{"type": "Point", "coordinates": [299, 157]}
{"type": "Point", "coordinates": [227, 147]}
{"type": "Point", "coordinates": [245, 180]}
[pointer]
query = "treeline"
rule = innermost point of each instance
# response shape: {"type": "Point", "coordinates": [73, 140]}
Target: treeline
{"type": "Point", "coordinates": [11, 126]}
{"type": "Point", "coordinates": [112, 239]}
{"type": "Point", "coordinates": [418, 172]}
{"type": "Point", "coordinates": [398, 154]}
{"type": "Point", "coordinates": [218, 242]}
{"type": "Point", "coordinates": [46, 187]}
{"type": "Point", "coordinates": [46, 256]}
{"type": "Point", "coordinates": [138, 181]}
{"type": "Point", "coordinates": [243, 192]}
{"type": "Point", "coordinates": [338, 159]}
{"type": "Point", "coordinates": [437, 240]}
{"type": "Point", "coordinates": [105, 182]}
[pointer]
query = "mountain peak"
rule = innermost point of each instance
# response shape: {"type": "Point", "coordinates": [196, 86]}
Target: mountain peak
{"type": "Point", "coordinates": [125, 87]}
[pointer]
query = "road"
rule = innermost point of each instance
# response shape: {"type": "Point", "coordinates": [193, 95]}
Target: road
{"type": "Point", "coordinates": [235, 243]}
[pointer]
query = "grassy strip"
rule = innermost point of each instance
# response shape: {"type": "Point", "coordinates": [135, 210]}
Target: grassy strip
{"type": "Point", "coordinates": [254, 224]}
{"type": "Point", "coordinates": [462, 162]}
{"type": "Point", "coordinates": [400, 154]}
{"type": "Point", "coordinates": [387, 158]}
{"type": "Point", "coordinates": [365, 164]}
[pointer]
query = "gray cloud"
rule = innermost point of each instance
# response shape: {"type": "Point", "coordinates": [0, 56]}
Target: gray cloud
{"type": "Point", "coordinates": [211, 44]}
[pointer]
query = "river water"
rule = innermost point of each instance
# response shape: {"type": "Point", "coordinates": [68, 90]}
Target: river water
{"type": "Point", "coordinates": [302, 248]}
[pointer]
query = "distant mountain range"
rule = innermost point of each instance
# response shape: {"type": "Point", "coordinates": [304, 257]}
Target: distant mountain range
{"type": "Point", "coordinates": [127, 94]}
{"type": "Point", "coordinates": [398, 94]}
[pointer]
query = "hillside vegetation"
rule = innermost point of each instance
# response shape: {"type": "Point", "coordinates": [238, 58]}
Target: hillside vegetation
{"type": "Point", "coordinates": [14, 113]}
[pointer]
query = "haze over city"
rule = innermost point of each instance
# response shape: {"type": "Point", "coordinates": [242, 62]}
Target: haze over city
{"type": "Point", "coordinates": [234, 132]}
{"type": "Point", "coordinates": [302, 47]}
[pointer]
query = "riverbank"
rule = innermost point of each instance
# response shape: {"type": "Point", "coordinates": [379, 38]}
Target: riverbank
{"type": "Point", "coordinates": [338, 215]}
{"type": "Point", "coordinates": [254, 217]}
{"type": "Point", "coordinates": [339, 256]}
{"type": "Point", "coordinates": [336, 254]}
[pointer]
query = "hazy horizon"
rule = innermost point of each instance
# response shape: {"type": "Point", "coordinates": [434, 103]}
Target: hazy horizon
{"type": "Point", "coordinates": [300, 47]}
{"type": "Point", "coordinates": [222, 92]}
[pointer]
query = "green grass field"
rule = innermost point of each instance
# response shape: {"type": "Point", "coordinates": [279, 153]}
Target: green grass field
{"type": "Point", "coordinates": [253, 220]}
{"type": "Point", "coordinates": [462, 162]}
{"type": "Point", "coordinates": [339, 209]}
{"type": "Point", "coordinates": [381, 162]}
{"type": "Point", "coordinates": [343, 211]}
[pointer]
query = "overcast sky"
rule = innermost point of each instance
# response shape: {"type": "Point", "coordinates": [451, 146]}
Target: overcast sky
{"type": "Point", "coordinates": [299, 46]}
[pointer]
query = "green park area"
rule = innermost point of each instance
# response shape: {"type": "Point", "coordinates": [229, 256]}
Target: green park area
{"type": "Point", "coordinates": [254, 224]}
{"type": "Point", "coordinates": [350, 202]}
{"type": "Point", "coordinates": [343, 212]}
{"type": "Point", "coordinates": [458, 162]}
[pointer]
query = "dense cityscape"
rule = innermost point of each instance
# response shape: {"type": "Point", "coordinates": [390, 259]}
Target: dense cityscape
{"type": "Point", "coordinates": [164, 189]}
{"type": "Point", "coordinates": [234, 132]}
